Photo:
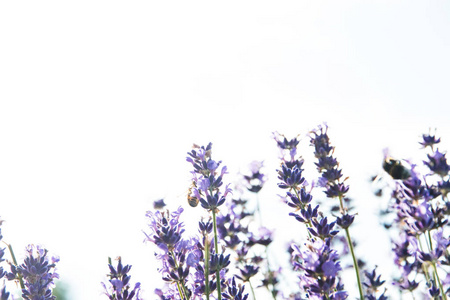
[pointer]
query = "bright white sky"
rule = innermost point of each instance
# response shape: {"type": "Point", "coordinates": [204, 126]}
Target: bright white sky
{"type": "Point", "coordinates": [101, 100]}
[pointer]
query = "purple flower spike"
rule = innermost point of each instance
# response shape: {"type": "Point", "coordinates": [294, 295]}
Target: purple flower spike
{"type": "Point", "coordinates": [38, 273]}
{"type": "Point", "coordinates": [206, 181]}
{"type": "Point", "coordinates": [120, 283]}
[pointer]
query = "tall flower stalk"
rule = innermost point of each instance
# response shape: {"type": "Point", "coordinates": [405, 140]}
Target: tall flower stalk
{"type": "Point", "coordinates": [119, 281]}
{"type": "Point", "coordinates": [166, 232]}
{"type": "Point", "coordinates": [207, 190]}
{"type": "Point", "coordinates": [317, 262]}
{"type": "Point", "coordinates": [37, 272]}
{"type": "Point", "coordinates": [335, 187]}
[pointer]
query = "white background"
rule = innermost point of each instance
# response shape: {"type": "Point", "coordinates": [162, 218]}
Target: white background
{"type": "Point", "coordinates": [101, 100]}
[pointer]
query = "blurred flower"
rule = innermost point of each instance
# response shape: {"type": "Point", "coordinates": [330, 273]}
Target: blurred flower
{"type": "Point", "coordinates": [255, 181]}
{"type": "Point", "coordinates": [437, 163]}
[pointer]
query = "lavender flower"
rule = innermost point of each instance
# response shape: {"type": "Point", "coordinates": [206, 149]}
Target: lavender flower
{"type": "Point", "coordinates": [335, 187]}
{"type": "Point", "coordinates": [206, 189]}
{"type": "Point", "coordinates": [318, 261]}
{"type": "Point", "coordinates": [38, 273]}
{"type": "Point", "coordinates": [177, 255]}
{"type": "Point", "coordinates": [321, 265]}
{"type": "Point", "coordinates": [437, 163]}
{"type": "Point", "coordinates": [234, 292]}
{"type": "Point", "coordinates": [429, 140]}
{"type": "Point", "coordinates": [373, 283]}
{"type": "Point", "coordinates": [4, 295]}
{"type": "Point", "coordinates": [255, 181]}
{"type": "Point", "coordinates": [206, 180]}
{"type": "Point", "coordinates": [120, 283]}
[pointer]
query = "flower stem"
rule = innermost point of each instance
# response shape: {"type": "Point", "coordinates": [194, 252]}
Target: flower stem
{"type": "Point", "coordinates": [216, 245]}
{"type": "Point", "coordinates": [207, 266]}
{"type": "Point", "coordinates": [439, 281]}
{"type": "Point", "coordinates": [22, 285]}
{"type": "Point", "coordinates": [183, 291]}
{"type": "Point", "coordinates": [350, 245]}
{"type": "Point", "coordinates": [251, 288]}
{"type": "Point", "coordinates": [355, 263]}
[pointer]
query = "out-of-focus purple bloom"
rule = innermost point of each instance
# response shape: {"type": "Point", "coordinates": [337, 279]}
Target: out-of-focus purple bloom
{"type": "Point", "coordinates": [38, 273]}
{"type": "Point", "coordinates": [407, 285]}
{"type": "Point", "coordinates": [433, 290]}
{"type": "Point", "coordinates": [255, 181]}
{"type": "Point", "coordinates": [429, 140]}
{"type": "Point", "coordinates": [247, 272]}
{"type": "Point", "coordinates": [437, 163]}
{"type": "Point", "coordinates": [286, 145]}
{"type": "Point", "coordinates": [120, 283]}
{"type": "Point", "coordinates": [234, 292]}
{"type": "Point", "coordinates": [418, 218]}
{"type": "Point", "coordinates": [373, 283]}
{"type": "Point", "coordinates": [159, 204]}
{"type": "Point", "coordinates": [444, 187]}
{"type": "Point", "coordinates": [4, 295]}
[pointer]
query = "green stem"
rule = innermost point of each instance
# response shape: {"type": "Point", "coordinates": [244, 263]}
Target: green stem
{"type": "Point", "coordinates": [439, 281]}
{"type": "Point", "coordinates": [251, 288]}
{"type": "Point", "coordinates": [350, 245]}
{"type": "Point", "coordinates": [22, 285]}
{"type": "Point", "coordinates": [355, 263]}
{"type": "Point", "coordinates": [425, 271]}
{"type": "Point", "coordinates": [216, 245]}
{"type": "Point", "coordinates": [207, 266]}
{"type": "Point", "coordinates": [179, 290]}
{"type": "Point", "coordinates": [183, 290]}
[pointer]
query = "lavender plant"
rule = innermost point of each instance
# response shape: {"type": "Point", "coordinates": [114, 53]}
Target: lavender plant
{"type": "Point", "coordinates": [317, 263]}
{"type": "Point", "coordinates": [37, 273]}
{"type": "Point", "coordinates": [230, 250]}
{"type": "Point", "coordinates": [119, 283]}
{"type": "Point", "coordinates": [206, 189]}
{"type": "Point", "coordinates": [335, 187]}
{"type": "Point", "coordinates": [421, 211]}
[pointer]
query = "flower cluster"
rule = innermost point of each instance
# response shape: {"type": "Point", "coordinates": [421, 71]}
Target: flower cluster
{"type": "Point", "coordinates": [421, 210]}
{"type": "Point", "coordinates": [120, 283]}
{"type": "Point", "coordinates": [206, 181]}
{"type": "Point", "coordinates": [255, 180]}
{"type": "Point", "coordinates": [230, 252]}
{"type": "Point", "coordinates": [248, 241]}
{"type": "Point", "coordinates": [317, 262]}
{"type": "Point", "coordinates": [177, 255]}
{"type": "Point", "coordinates": [335, 187]}
{"type": "Point", "coordinates": [37, 273]}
